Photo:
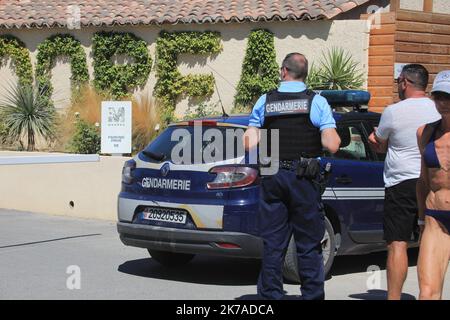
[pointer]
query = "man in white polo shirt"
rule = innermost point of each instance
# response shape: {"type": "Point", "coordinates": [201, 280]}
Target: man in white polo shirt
{"type": "Point", "coordinates": [396, 134]}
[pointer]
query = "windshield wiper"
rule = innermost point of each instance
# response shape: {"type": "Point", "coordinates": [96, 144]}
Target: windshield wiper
{"type": "Point", "coordinates": [154, 155]}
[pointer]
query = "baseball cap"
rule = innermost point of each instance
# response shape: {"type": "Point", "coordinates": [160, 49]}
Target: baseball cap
{"type": "Point", "coordinates": [442, 82]}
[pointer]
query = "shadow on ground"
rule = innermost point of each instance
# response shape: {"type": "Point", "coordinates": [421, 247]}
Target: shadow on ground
{"type": "Point", "coordinates": [201, 270]}
{"type": "Point", "coordinates": [240, 272]}
{"type": "Point", "coordinates": [356, 264]}
{"type": "Point", "coordinates": [254, 297]}
{"type": "Point", "coordinates": [378, 295]}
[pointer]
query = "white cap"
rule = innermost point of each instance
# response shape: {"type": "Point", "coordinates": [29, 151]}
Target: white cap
{"type": "Point", "coordinates": [442, 82]}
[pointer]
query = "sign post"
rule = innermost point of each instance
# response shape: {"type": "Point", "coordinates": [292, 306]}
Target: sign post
{"type": "Point", "coordinates": [116, 127]}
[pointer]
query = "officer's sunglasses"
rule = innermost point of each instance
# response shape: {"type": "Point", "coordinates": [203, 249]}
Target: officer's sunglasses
{"type": "Point", "coordinates": [403, 79]}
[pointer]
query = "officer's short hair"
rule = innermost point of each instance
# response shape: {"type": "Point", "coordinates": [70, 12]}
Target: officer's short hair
{"type": "Point", "coordinates": [296, 65]}
{"type": "Point", "coordinates": [417, 75]}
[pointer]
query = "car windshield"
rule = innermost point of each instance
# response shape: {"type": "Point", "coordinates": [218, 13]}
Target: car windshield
{"type": "Point", "coordinates": [214, 144]}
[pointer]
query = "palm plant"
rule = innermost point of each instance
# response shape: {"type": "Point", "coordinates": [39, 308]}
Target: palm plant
{"type": "Point", "coordinates": [314, 79]}
{"type": "Point", "coordinates": [26, 115]}
{"type": "Point", "coordinates": [337, 71]}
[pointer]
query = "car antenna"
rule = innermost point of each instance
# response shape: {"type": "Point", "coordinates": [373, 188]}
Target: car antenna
{"type": "Point", "coordinates": [224, 114]}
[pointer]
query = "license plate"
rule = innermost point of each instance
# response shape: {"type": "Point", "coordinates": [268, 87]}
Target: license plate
{"type": "Point", "coordinates": [164, 215]}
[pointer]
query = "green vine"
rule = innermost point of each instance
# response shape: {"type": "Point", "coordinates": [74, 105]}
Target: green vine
{"type": "Point", "coordinates": [170, 82]}
{"type": "Point", "coordinates": [259, 71]}
{"type": "Point", "coordinates": [49, 50]}
{"type": "Point", "coordinates": [14, 48]}
{"type": "Point", "coordinates": [120, 78]}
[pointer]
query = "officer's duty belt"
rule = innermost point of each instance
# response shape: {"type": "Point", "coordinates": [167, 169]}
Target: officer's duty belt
{"type": "Point", "coordinates": [290, 165]}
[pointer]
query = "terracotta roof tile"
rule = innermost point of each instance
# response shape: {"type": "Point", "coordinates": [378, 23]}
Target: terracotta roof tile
{"type": "Point", "coordinates": [60, 13]}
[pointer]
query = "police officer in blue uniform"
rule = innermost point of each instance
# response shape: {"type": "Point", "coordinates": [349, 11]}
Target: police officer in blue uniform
{"type": "Point", "coordinates": [290, 199]}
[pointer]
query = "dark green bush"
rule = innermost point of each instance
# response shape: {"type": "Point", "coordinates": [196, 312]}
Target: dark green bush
{"type": "Point", "coordinates": [260, 72]}
{"type": "Point", "coordinates": [56, 46]}
{"type": "Point", "coordinates": [171, 83]}
{"type": "Point", "coordinates": [86, 138]}
{"type": "Point", "coordinates": [119, 79]}
{"type": "Point", "coordinates": [201, 110]}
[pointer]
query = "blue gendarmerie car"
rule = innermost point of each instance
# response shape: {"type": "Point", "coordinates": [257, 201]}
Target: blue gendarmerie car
{"type": "Point", "coordinates": [177, 211]}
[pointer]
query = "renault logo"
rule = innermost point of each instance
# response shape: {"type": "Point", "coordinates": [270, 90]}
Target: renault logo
{"type": "Point", "coordinates": [165, 169]}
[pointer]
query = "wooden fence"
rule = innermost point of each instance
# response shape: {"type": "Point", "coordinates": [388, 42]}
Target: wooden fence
{"type": "Point", "coordinates": [405, 36]}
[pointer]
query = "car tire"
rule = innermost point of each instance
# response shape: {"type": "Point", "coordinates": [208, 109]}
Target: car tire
{"type": "Point", "coordinates": [171, 259]}
{"type": "Point", "coordinates": [290, 266]}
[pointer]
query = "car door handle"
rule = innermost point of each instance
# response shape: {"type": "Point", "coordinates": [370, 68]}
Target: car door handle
{"type": "Point", "coordinates": [344, 180]}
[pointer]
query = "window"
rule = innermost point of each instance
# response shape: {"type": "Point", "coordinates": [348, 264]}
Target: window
{"type": "Point", "coordinates": [353, 146]}
{"type": "Point", "coordinates": [164, 144]}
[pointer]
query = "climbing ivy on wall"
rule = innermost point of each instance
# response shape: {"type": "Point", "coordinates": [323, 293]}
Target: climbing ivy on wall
{"type": "Point", "coordinates": [170, 82]}
{"type": "Point", "coordinates": [12, 47]}
{"type": "Point", "coordinates": [53, 47]}
{"type": "Point", "coordinates": [260, 72]}
{"type": "Point", "coordinates": [120, 78]}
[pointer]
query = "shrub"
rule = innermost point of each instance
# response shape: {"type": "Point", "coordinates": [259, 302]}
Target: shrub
{"type": "Point", "coordinates": [119, 79]}
{"type": "Point", "coordinates": [26, 116]}
{"type": "Point", "coordinates": [53, 47]}
{"type": "Point", "coordinates": [3, 132]}
{"type": "Point", "coordinates": [171, 84]}
{"type": "Point", "coordinates": [86, 138]}
{"type": "Point", "coordinates": [260, 72]}
{"type": "Point", "coordinates": [86, 106]}
{"type": "Point", "coordinates": [337, 71]}
{"type": "Point", "coordinates": [17, 51]}
{"type": "Point", "coordinates": [201, 110]}
{"type": "Point", "coordinates": [241, 109]}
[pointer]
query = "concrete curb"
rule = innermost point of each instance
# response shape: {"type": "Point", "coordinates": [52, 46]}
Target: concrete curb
{"type": "Point", "coordinates": [46, 159]}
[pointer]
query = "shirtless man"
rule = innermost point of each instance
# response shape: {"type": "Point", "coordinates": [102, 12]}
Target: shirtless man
{"type": "Point", "coordinates": [433, 194]}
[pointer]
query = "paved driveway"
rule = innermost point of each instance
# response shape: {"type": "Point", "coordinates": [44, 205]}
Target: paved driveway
{"type": "Point", "coordinates": [41, 257]}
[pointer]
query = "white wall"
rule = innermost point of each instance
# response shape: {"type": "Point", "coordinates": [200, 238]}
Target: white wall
{"type": "Point", "coordinates": [48, 188]}
{"type": "Point", "coordinates": [308, 37]}
{"type": "Point", "coordinates": [416, 5]}
{"type": "Point", "coordinates": [441, 6]}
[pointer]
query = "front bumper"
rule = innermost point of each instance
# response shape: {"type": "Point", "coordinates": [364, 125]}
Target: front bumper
{"type": "Point", "coordinates": [190, 241]}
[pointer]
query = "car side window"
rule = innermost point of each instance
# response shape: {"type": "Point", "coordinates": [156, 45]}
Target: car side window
{"type": "Point", "coordinates": [370, 127]}
{"type": "Point", "coordinates": [353, 146]}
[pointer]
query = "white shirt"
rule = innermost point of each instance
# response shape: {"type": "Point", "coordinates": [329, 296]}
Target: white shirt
{"type": "Point", "coordinates": [398, 125]}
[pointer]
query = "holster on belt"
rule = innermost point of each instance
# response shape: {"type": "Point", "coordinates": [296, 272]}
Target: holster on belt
{"type": "Point", "coordinates": [308, 168]}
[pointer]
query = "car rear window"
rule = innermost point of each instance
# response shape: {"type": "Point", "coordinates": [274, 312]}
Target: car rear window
{"type": "Point", "coordinates": [220, 143]}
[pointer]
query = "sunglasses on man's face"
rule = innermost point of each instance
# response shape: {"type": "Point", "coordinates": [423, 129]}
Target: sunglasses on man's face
{"type": "Point", "coordinates": [403, 79]}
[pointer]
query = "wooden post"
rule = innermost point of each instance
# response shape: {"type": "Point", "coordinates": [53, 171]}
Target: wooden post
{"type": "Point", "coordinates": [428, 6]}
{"type": "Point", "coordinates": [395, 5]}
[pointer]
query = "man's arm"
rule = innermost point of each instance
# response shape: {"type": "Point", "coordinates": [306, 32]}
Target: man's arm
{"type": "Point", "coordinates": [423, 187]}
{"type": "Point", "coordinates": [251, 138]}
{"type": "Point", "coordinates": [378, 145]}
{"type": "Point", "coordinates": [322, 118]}
{"type": "Point", "coordinates": [379, 139]}
{"type": "Point", "coordinates": [252, 135]}
{"type": "Point", "coordinates": [331, 140]}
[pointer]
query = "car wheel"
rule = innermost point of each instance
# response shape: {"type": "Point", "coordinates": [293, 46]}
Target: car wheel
{"type": "Point", "coordinates": [290, 267]}
{"type": "Point", "coordinates": [171, 259]}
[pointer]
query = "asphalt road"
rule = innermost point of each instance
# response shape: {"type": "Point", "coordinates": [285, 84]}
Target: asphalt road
{"type": "Point", "coordinates": [41, 257]}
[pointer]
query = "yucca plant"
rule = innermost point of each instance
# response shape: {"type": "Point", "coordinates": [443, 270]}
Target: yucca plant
{"type": "Point", "coordinates": [3, 132]}
{"type": "Point", "coordinates": [26, 115]}
{"type": "Point", "coordinates": [337, 71]}
{"type": "Point", "coordinates": [314, 79]}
